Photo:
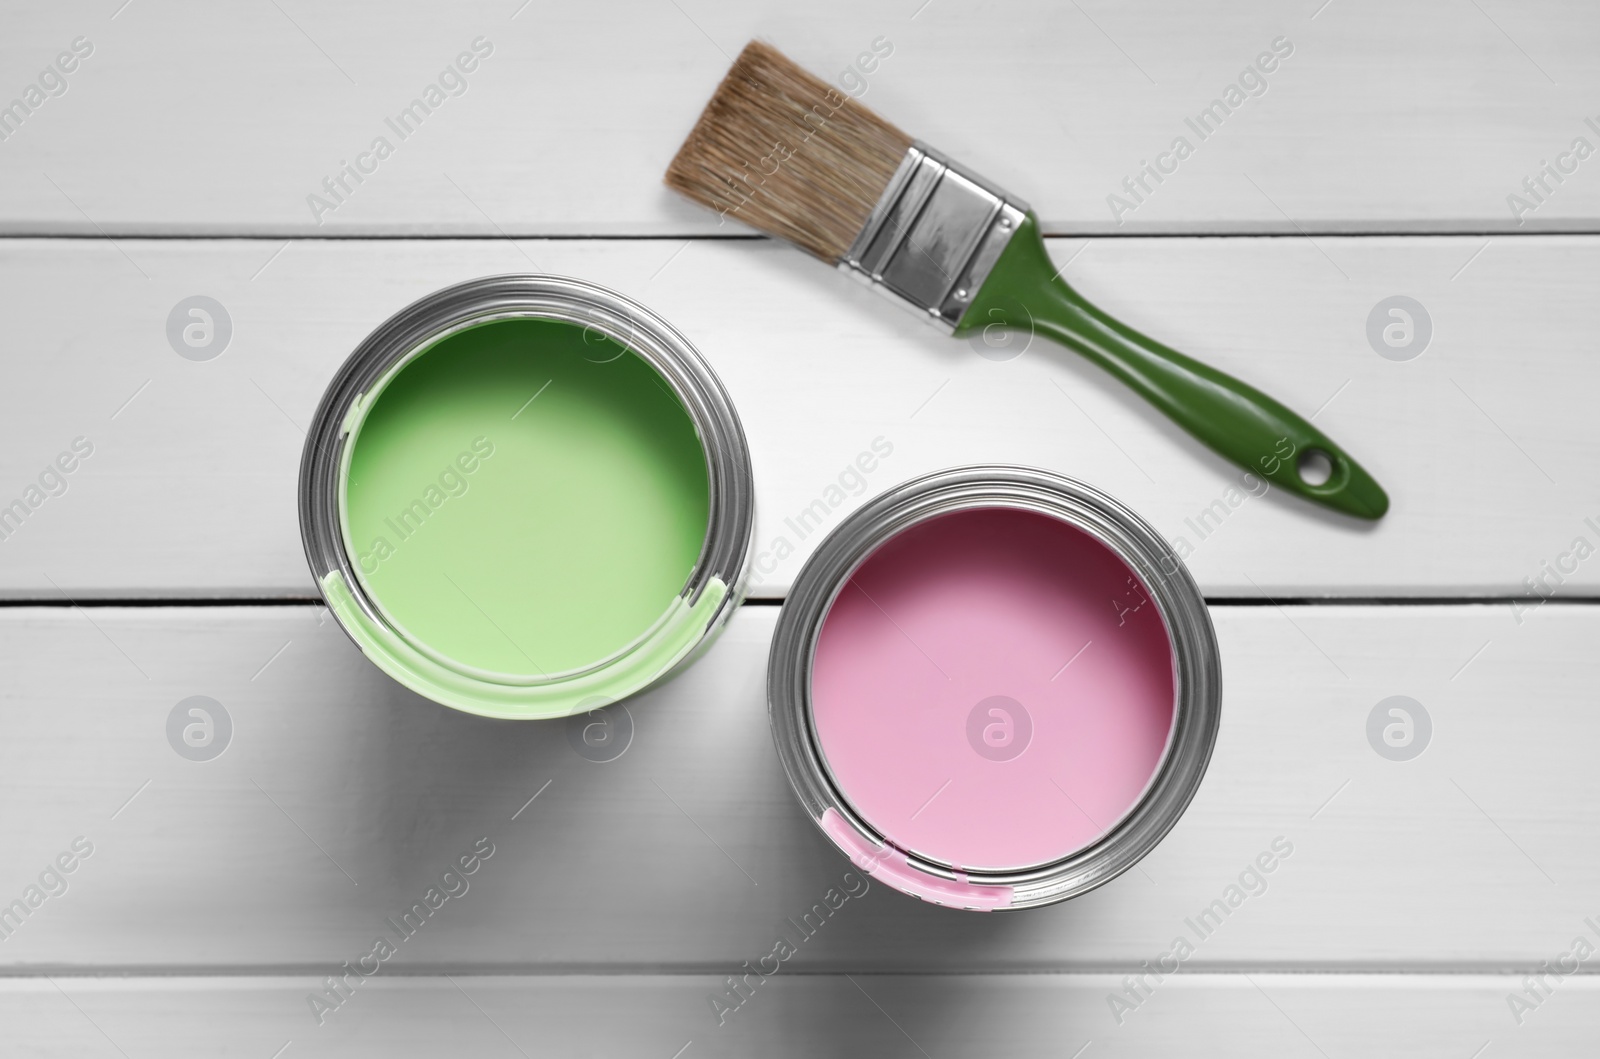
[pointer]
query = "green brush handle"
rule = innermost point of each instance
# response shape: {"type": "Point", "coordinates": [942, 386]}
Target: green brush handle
{"type": "Point", "coordinates": [1236, 420]}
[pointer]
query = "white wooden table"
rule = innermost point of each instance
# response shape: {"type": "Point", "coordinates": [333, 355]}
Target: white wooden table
{"type": "Point", "coordinates": [218, 894]}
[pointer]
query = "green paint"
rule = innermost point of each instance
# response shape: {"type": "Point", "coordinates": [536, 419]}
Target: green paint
{"type": "Point", "coordinates": [524, 501]}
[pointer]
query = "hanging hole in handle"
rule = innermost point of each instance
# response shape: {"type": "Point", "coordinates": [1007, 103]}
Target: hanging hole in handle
{"type": "Point", "coordinates": [1315, 467]}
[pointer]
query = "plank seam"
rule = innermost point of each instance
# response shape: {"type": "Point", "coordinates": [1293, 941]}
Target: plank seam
{"type": "Point", "coordinates": [612, 237]}
{"type": "Point", "coordinates": [317, 970]}
{"type": "Point", "coordinates": [185, 603]}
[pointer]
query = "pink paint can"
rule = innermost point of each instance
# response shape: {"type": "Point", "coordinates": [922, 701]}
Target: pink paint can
{"type": "Point", "coordinates": [994, 688]}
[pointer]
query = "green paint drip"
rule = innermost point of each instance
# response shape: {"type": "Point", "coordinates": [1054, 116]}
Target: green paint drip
{"type": "Point", "coordinates": [524, 502]}
{"type": "Point", "coordinates": [682, 631]}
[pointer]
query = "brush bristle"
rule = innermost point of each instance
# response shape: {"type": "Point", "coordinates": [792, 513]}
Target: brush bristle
{"type": "Point", "coordinates": [785, 153]}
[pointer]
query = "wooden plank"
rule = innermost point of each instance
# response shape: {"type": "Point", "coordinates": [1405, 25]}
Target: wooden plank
{"type": "Point", "coordinates": [1007, 1016]}
{"type": "Point", "coordinates": [226, 120]}
{"type": "Point", "coordinates": [341, 799]}
{"type": "Point", "coordinates": [1481, 440]}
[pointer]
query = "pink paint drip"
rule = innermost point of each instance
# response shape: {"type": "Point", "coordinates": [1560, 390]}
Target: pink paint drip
{"type": "Point", "coordinates": [993, 689]}
{"type": "Point", "coordinates": [889, 865]}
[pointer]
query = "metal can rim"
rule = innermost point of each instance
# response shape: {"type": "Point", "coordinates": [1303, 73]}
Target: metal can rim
{"type": "Point", "coordinates": [1197, 676]}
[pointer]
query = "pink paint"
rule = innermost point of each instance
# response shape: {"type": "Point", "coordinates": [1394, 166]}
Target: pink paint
{"type": "Point", "coordinates": [948, 644]}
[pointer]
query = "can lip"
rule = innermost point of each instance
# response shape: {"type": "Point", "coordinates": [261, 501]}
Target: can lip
{"type": "Point", "coordinates": [723, 560]}
{"type": "Point", "coordinates": [1197, 676]}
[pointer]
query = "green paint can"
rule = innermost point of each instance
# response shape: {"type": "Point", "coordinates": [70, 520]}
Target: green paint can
{"type": "Point", "coordinates": [527, 497]}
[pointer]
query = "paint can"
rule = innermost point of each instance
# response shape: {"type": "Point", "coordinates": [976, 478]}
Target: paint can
{"type": "Point", "coordinates": [994, 687]}
{"type": "Point", "coordinates": [527, 496]}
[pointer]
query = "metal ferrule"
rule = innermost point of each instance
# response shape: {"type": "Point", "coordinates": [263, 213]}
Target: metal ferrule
{"type": "Point", "coordinates": [933, 237]}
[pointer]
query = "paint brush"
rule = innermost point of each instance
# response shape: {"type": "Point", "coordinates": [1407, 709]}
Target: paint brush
{"type": "Point", "coordinates": [793, 157]}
